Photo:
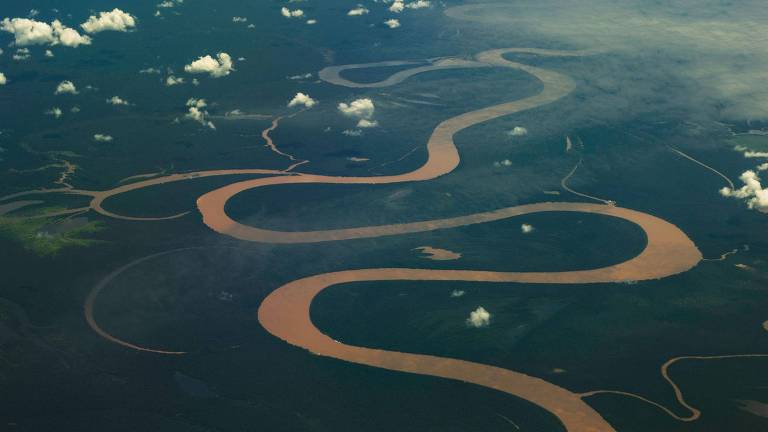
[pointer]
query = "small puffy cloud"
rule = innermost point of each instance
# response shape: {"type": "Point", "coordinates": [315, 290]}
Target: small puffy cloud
{"type": "Point", "coordinates": [753, 192]}
{"type": "Point", "coordinates": [150, 70]}
{"type": "Point", "coordinates": [169, 3]}
{"type": "Point", "coordinates": [172, 81]}
{"type": "Point", "coordinates": [526, 228]}
{"type": "Point", "coordinates": [302, 99]}
{"type": "Point", "coordinates": [30, 32]}
{"type": "Point", "coordinates": [457, 293]}
{"type": "Point", "coordinates": [359, 109]}
{"type": "Point", "coordinates": [291, 13]}
{"type": "Point", "coordinates": [479, 318]}
{"type": "Point", "coordinates": [117, 100]}
{"type": "Point", "coordinates": [115, 20]}
{"type": "Point", "coordinates": [392, 23]}
{"type": "Point", "coordinates": [66, 87]}
{"type": "Point", "coordinates": [22, 54]}
{"type": "Point", "coordinates": [365, 123]}
{"type": "Point", "coordinates": [502, 163]}
{"type": "Point", "coordinates": [419, 4]}
{"type": "Point", "coordinates": [219, 67]}
{"type": "Point", "coordinates": [3, 79]}
{"type": "Point", "coordinates": [197, 113]}
{"type": "Point", "coordinates": [238, 19]}
{"type": "Point", "coordinates": [763, 166]}
{"type": "Point", "coordinates": [397, 6]}
{"type": "Point", "coordinates": [518, 131]}
{"type": "Point", "coordinates": [359, 10]}
{"type": "Point", "coordinates": [48, 53]}
{"type": "Point", "coordinates": [311, 21]}
{"type": "Point", "coordinates": [102, 138]}
{"type": "Point", "coordinates": [55, 112]}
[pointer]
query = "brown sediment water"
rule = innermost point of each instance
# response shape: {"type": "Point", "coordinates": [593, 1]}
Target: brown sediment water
{"type": "Point", "coordinates": [332, 74]}
{"type": "Point", "coordinates": [443, 157]}
{"type": "Point", "coordinates": [564, 185]}
{"type": "Point", "coordinates": [286, 312]}
{"type": "Point", "coordinates": [98, 197]}
{"type": "Point", "coordinates": [437, 254]}
{"type": "Point", "coordinates": [265, 134]}
{"type": "Point", "coordinates": [695, 413]}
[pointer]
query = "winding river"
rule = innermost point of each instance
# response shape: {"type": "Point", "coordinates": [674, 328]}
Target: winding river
{"type": "Point", "coordinates": [285, 313]}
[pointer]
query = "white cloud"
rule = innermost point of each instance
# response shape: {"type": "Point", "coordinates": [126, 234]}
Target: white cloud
{"type": "Point", "coordinates": [48, 53]}
{"type": "Point", "coordinates": [750, 153]}
{"type": "Point", "coordinates": [117, 100]}
{"type": "Point", "coordinates": [307, 75]}
{"type": "Point", "coordinates": [150, 70]}
{"type": "Point", "coordinates": [457, 293]}
{"type": "Point", "coordinates": [169, 3]}
{"type": "Point", "coordinates": [359, 10]}
{"type": "Point", "coordinates": [397, 6]}
{"type": "Point", "coordinates": [172, 81]}
{"type": "Point", "coordinates": [753, 192]}
{"type": "Point", "coordinates": [479, 318]}
{"type": "Point", "coordinates": [115, 20]}
{"type": "Point", "coordinates": [502, 163]}
{"type": "Point", "coordinates": [22, 54]}
{"type": "Point", "coordinates": [197, 113]}
{"type": "Point", "coordinates": [55, 112]}
{"type": "Point", "coordinates": [704, 57]}
{"type": "Point", "coordinates": [30, 32]}
{"type": "Point", "coordinates": [419, 4]}
{"type": "Point", "coordinates": [291, 13]}
{"type": "Point", "coordinates": [302, 99]}
{"type": "Point", "coordinates": [352, 132]}
{"type": "Point", "coordinates": [518, 131]}
{"type": "Point", "coordinates": [365, 123]}
{"type": "Point", "coordinates": [526, 228]}
{"type": "Point", "coordinates": [359, 108]}
{"type": "Point", "coordinates": [392, 23]}
{"type": "Point", "coordinates": [69, 37]}
{"type": "Point", "coordinates": [311, 21]}
{"type": "Point", "coordinates": [102, 138]}
{"type": "Point", "coordinates": [66, 87]}
{"type": "Point", "coordinates": [238, 19]}
{"type": "Point", "coordinates": [763, 167]}
{"type": "Point", "coordinates": [3, 79]}
{"type": "Point", "coordinates": [219, 67]}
